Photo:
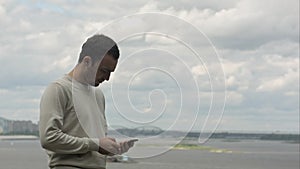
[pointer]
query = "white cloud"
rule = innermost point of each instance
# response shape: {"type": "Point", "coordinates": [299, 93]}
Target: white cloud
{"type": "Point", "coordinates": [245, 24]}
{"type": "Point", "coordinates": [62, 64]}
{"type": "Point", "coordinates": [149, 7]}
{"type": "Point", "coordinates": [2, 12]}
{"type": "Point", "coordinates": [199, 70]}
{"type": "Point", "coordinates": [258, 42]}
{"type": "Point", "coordinates": [280, 48]}
{"type": "Point", "coordinates": [288, 81]}
{"type": "Point", "coordinates": [234, 98]}
{"type": "Point", "coordinates": [159, 40]}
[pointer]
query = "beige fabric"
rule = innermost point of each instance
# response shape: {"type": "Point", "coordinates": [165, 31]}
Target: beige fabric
{"type": "Point", "coordinates": [65, 167]}
{"type": "Point", "coordinates": [63, 125]}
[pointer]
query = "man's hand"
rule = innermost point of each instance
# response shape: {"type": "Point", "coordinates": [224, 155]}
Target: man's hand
{"type": "Point", "coordinates": [126, 145]}
{"type": "Point", "coordinates": [109, 146]}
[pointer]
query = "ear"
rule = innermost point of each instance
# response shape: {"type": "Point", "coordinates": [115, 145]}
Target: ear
{"type": "Point", "coordinates": [87, 60]}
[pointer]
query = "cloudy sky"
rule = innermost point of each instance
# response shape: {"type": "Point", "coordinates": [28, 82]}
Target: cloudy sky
{"type": "Point", "coordinates": [177, 62]}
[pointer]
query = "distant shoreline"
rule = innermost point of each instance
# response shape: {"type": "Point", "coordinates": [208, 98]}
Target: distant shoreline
{"type": "Point", "coordinates": [18, 137]}
{"type": "Point", "coordinates": [226, 136]}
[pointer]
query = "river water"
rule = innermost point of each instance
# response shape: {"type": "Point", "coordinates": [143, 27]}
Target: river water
{"type": "Point", "coordinates": [246, 154]}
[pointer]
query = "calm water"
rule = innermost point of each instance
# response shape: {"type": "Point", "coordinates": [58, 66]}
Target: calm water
{"type": "Point", "coordinates": [245, 155]}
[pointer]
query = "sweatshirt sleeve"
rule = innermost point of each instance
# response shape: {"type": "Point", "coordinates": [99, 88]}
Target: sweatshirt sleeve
{"type": "Point", "coordinates": [52, 137]}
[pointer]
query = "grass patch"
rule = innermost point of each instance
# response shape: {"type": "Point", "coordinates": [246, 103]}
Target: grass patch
{"type": "Point", "coordinates": [192, 147]}
{"type": "Point", "coordinates": [199, 147]}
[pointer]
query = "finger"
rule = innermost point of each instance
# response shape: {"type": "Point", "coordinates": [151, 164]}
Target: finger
{"type": "Point", "coordinates": [115, 150]}
{"type": "Point", "coordinates": [130, 144]}
{"type": "Point", "coordinates": [127, 146]}
{"type": "Point", "coordinates": [119, 149]}
{"type": "Point", "coordinates": [116, 145]}
{"type": "Point", "coordinates": [122, 147]}
{"type": "Point", "coordinates": [112, 139]}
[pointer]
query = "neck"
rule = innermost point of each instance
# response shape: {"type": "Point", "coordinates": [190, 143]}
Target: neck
{"type": "Point", "coordinates": [77, 74]}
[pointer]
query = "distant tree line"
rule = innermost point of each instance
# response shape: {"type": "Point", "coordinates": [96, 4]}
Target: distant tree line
{"type": "Point", "coordinates": [258, 136]}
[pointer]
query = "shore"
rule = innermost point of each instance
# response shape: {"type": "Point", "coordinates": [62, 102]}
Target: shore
{"type": "Point", "coordinates": [18, 137]}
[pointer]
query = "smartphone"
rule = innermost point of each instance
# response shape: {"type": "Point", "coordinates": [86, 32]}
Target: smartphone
{"type": "Point", "coordinates": [133, 140]}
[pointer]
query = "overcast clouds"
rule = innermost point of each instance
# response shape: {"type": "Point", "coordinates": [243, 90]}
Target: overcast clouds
{"type": "Point", "coordinates": [258, 44]}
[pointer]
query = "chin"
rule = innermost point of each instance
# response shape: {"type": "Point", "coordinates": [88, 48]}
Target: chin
{"type": "Point", "coordinates": [97, 84]}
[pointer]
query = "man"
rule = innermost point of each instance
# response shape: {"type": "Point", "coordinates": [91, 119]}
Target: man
{"type": "Point", "coordinates": [72, 121]}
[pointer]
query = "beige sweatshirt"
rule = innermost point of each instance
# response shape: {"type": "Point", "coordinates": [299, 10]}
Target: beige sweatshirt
{"type": "Point", "coordinates": [71, 122]}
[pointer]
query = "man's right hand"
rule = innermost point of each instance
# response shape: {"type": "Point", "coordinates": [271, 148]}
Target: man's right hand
{"type": "Point", "coordinates": [108, 146]}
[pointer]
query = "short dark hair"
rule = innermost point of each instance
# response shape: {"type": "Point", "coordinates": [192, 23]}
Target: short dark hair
{"type": "Point", "coordinates": [97, 47]}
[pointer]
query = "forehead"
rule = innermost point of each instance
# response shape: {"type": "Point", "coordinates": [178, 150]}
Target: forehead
{"type": "Point", "coordinates": [108, 62]}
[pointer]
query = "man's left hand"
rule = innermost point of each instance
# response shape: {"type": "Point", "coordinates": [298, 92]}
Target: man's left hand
{"type": "Point", "coordinates": [125, 146]}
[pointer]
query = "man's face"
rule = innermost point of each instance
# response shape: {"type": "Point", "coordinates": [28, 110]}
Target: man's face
{"type": "Point", "coordinates": [103, 69]}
